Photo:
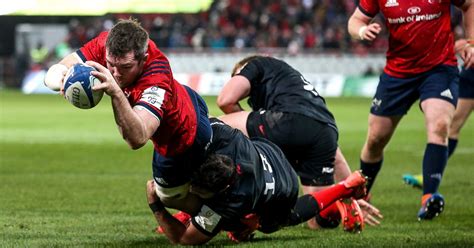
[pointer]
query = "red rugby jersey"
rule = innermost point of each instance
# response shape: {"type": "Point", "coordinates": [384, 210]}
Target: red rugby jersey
{"type": "Point", "coordinates": [159, 93]}
{"type": "Point", "coordinates": [420, 33]}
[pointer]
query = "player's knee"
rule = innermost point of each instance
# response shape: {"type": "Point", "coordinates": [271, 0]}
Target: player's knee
{"type": "Point", "coordinates": [440, 129]}
{"type": "Point", "coordinates": [376, 143]}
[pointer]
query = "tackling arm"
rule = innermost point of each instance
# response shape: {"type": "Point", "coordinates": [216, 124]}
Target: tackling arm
{"type": "Point", "coordinates": [175, 231]}
{"type": "Point", "coordinates": [235, 90]}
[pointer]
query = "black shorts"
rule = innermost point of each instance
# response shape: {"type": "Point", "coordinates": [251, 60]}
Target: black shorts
{"type": "Point", "coordinates": [466, 84]}
{"type": "Point", "coordinates": [309, 145]}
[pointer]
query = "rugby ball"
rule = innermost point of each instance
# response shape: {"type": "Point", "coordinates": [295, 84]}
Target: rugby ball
{"type": "Point", "coordinates": [78, 85]}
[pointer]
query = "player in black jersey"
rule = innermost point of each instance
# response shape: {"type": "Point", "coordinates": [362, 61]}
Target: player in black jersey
{"type": "Point", "coordinates": [247, 185]}
{"type": "Point", "coordinates": [287, 110]}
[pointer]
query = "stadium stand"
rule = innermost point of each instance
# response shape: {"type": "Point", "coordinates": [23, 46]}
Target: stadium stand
{"type": "Point", "coordinates": [310, 34]}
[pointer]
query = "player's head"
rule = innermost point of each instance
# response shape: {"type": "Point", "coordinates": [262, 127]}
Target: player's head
{"type": "Point", "coordinates": [239, 65]}
{"type": "Point", "coordinates": [215, 175]}
{"type": "Point", "coordinates": [126, 51]}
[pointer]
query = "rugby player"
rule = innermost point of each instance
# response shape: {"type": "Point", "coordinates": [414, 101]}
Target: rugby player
{"type": "Point", "coordinates": [148, 104]}
{"type": "Point", "coordinates": [247, 185]}
{"type": "Point", "coordinates": [421, 65]}
{"type": "Point", "coordinates": [288, 111]}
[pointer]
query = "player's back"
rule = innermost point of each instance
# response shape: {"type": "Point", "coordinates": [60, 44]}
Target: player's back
{"type": "Point", "coordinates": [263, 174]}
{"type": "Point", "coordinates": [277, 86]}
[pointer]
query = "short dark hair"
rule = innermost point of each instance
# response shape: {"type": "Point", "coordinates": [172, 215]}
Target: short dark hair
{"type": "Point", "coordinates": [244, 61]}
{"type": "Point", "coordinates": [125, 36]}
{"type": "Point", "coordinates": [215, 174]}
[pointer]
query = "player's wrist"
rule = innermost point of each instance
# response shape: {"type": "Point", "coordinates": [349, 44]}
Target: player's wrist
{"type": "Point", "coordinates": [156, 206]}
{"type": "Point", "coordinates": [55, 76]}
{"type": "Point", "coordinates": [362, 32]}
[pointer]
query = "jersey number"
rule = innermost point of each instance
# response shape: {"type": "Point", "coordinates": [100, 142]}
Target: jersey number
{"type": "Point", "coordinates": [268, 174]}
{"type": "Point", "coordinates": [309, 87]}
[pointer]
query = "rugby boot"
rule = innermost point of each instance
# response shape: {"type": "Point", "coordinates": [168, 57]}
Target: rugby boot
{"type": "Point", "coordinates": [352, 218]}
{"type": "Point", "coordinates": [432, 205]}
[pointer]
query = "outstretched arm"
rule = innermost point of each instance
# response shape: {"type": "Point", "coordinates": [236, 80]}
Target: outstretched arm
{"type": "Point", "coordinates": [175, 231]}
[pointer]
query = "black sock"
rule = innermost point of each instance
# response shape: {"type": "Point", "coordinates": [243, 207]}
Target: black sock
{"type": "Point", "coordinates": [370, 170]}
{"type": "Point", "coordinates": [434, 162]}
{"type": "Point", "coordinates": [306, 207]}
{"type": "Point", "coordinates": [452, 143]}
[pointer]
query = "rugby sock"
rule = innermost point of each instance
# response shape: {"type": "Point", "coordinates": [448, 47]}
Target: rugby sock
{"type": "Point", "coordinates": [452, 143]}
{"type": "Point", "coordinates": [434, 162]}
{"type": "Point", "coordinates": [370, 170]}
{"type": "Point", "coordinates": [306, 207]}
{"type": "Point", "coordinates": [330, 217]}
{"type": "Point", "coordinates": [328, 196]}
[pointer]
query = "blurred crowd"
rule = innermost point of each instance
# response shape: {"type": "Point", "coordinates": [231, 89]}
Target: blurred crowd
{"type": "Point", "coordinates": [295, 25]}
{"type": "Point", "coordinates": [234, 25]}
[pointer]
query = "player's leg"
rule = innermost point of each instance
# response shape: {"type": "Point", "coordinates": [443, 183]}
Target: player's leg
{"type": "Point", "coordinates": [438, 97]}
{"type": "Point", "coordinates": [341, 167]}
{"type": "Point", "coordinates": [463, 111]}
{"type": "Point", "coordinates": [310, 204]}
{"type": "Point", "coordinates": [380, 131]}
{"type": "Point", "coordinates": [393, 98]}
{"type": "Point", "coordinates": [236, 120]}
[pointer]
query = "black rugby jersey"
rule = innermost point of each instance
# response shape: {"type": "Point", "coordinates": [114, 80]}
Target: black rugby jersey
{"type": "Point", "coordinates": [277, 86]}
{"type": "Point", "coordinates": [263, 176]}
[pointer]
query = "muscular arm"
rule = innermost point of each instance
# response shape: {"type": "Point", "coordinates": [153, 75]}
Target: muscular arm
{"type": "Point", "coordinates": [360, 28]}
{"type": "Point", "coordinates": [136, 125]}
{"type": "Point", "coordinates": [175, 231]}
{"type": "Point", "coordinates": [235, 90]}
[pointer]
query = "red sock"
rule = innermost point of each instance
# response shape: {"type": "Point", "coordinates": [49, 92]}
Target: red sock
{"type": "Point", "coordinates": [331, 212]}
{"type": "Point", "coordinates": [328, 196]}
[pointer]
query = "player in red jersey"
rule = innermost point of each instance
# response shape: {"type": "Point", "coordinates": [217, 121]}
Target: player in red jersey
{"type": "Point", "coordinates": [421, 64]}
{"type": "Point", "coordinates": [148, 104]}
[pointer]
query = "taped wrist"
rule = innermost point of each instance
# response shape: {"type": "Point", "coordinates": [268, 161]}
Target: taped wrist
{"type": "Point", "coordinates": [55, 76]}
{"type": "Point", "coordinates": [156, 206]}
{"type": "Point", "coordinates": [362, 31]}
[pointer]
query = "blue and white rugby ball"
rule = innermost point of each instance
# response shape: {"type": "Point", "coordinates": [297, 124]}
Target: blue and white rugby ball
{"type": "Point", "coordinates": [78, 85]}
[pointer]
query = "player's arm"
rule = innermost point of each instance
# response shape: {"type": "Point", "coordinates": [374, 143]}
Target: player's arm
{"type": "Point", "coordinates": [360, 28]}
{"type": "Point", "coordinates": [55, 76]}
{"type": "Point", "coordinates": [175, 231]}
{"type": "Point", "coordinates": [236, 89]}
{"type": "Point", "coordinates": [467, 53]}
{"type": "Point", "coordinates": [136, 125]}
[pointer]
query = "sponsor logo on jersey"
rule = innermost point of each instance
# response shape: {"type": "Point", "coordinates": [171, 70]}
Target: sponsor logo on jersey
{"type": "Point", "coordinates": [328, 170]}
{"type": "Point", "coordinates": [154, 96]}
{"type": "Point", "coordinates": [391, 3]}
{"type": "Point", "coordinates": [447, 93]}
{"type": "Point", "coordinates": [161, 181]}
{"type": "Point", "coordinates": [414, 10]}
{"type": "Point", "coordinates": [207, 219]}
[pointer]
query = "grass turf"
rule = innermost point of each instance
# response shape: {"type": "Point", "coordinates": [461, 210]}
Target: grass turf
{"type": "Point", "coordinates": [68, 179]}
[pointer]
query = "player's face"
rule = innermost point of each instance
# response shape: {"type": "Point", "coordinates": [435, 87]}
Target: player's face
{"type": "Point", "coordinates": [125, 69]}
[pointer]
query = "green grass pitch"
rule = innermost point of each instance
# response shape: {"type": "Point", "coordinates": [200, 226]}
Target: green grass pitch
{"type": "Point", "coordinates": [68, 179]}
